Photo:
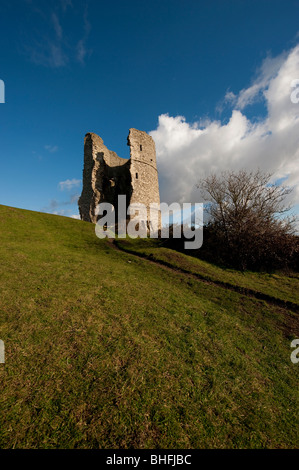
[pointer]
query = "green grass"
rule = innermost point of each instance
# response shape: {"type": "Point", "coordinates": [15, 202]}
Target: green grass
{"type": "Point", "coordinates": [107, 350]}
{"type": "Point", "coordinates": [277, 285]}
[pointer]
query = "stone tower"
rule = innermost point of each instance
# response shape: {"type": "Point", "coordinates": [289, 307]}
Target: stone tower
{"type": "Point", "coordinates": [106, 176]}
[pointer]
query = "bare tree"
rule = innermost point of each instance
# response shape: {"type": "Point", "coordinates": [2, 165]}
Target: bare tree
{"type": "Point", "coordinates": [246, 216]}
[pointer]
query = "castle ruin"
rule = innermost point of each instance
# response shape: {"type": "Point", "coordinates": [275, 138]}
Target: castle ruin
{"type": "Point", "coordinates": [106, 175]}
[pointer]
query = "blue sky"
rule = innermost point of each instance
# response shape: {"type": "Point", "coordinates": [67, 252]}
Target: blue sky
{"type": "Point", "coordinates": [209, 79]}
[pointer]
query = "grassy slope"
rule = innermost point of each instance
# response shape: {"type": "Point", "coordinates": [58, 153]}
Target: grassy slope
{"type": "Point", "coordinates": [277, 285]}
{"type": "Point", "coordinates": [107, 350]}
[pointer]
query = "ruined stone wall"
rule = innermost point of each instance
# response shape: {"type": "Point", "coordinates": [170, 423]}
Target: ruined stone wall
{"type": "Point", "coordinates": [143, 168]}
{"type": "Point", "coordinates": [90, 194]}
{"type": "Point", "coordinates": [105, 175]}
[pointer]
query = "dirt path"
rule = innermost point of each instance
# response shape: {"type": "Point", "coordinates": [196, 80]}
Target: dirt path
{"type": "Point", "coordinates": [241, 290]}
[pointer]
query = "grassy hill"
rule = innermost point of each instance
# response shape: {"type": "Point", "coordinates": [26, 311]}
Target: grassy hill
{"type": "Point", "coordinates": [276, 287]}
{"type": "Point", "coordinates": [106, 349]}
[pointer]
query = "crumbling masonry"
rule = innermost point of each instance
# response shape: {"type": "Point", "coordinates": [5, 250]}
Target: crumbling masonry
{"type": "Point", "coordinates": [106, 176]}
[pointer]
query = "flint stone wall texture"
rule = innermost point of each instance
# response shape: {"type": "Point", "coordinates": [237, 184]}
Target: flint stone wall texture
{"type": "Point", "coordinates": [106, 175]}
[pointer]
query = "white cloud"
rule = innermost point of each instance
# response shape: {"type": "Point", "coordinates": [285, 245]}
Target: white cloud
{"type": "Point", "coordinates": [61, 212]}
{"type": "Point", "coordinates": [51, 148]}
{"type": "Point", "coordinates": [57, 25]}
{"type": "Point", "coordinates": [51, 44]}
{"type": "Point", "coordinates": [81, 51]}
{"type": "Point", "coordinates": [267, 72]}
{"type": "Point", "coordinates": [186, 152]}
{"type": "Point", "coordinates": [65, 4]}
{"type": "Point", "coordinates": [47, 53]}
{"type": "Point", "coordinates": [61, 207]}
{"type": "Point", "coordinates": [74, 198]}
{"type": "Point", "coordinates": [68, 185]}
{"type": "Point", "coordinates": [75, 216]}
{"type": "Point", "coordinates": [81, 48]}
